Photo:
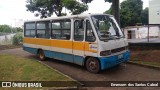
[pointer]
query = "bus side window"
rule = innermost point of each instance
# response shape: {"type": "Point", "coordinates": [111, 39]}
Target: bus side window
{"type": "Point", "coordinates": [43, 29]}
{"type": "Point", "coordinates": [90, 37]}
{"type": "Point", "coordinates": [29, 29]}
{"type": "Point", "coordinates": [78, 30]}
{"type": "Point", "coordinates": [61, 29]}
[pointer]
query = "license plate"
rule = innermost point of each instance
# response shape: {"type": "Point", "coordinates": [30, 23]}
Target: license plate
{"type": "Point", "coordinates": [120, 56]}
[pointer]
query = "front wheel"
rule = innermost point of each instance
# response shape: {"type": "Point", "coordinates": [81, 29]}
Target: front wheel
{"type": "Point", "coordinates": [41, 55]}
{"type": "Point", "coordinates": [93, 65]}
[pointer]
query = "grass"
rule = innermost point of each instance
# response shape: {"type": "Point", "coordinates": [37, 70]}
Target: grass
{"type": "Point", "coordinates": [14, 68]}
{"type": "Point", "coordinates": [146, 57]}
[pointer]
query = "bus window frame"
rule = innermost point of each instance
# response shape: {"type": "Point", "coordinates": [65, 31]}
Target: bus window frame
{"type": "Point", "coordinates": [30, 30]}
{"type": "Point", "coordinates": [87, 30]}
{"type": "Point", "coordinates": [78, 28]}
{"type": "Point", "coordinates": [61, 29]}
{"type": "Point", "coordinates": [50, 26]}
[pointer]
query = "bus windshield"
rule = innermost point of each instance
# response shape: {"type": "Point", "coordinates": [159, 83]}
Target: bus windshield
{"type": "Point", "coordinates": [106, 27]}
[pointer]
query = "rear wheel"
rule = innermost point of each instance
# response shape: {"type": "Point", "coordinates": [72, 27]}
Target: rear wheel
{"type": "Point", "coordinates": [93, 65]}
{"type": "Point", "coordinates": [41, 55]}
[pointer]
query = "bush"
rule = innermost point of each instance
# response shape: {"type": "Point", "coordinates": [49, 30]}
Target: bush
{"type": "Point", "coordinates": [17, 39]}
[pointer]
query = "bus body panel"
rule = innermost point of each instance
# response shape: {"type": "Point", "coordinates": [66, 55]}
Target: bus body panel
{"type": "Point", "coordinates": [120, 53]}
{"type": "Point", "coordinates": [78, 52]}
{"type": "Point", "coordinates": [108, 62]}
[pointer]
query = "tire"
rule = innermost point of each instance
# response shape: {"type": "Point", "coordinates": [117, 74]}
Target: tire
{"type": "Point", "coordinates": [41, 55]}
{"type": "Point", "coordinates": [93, 65]}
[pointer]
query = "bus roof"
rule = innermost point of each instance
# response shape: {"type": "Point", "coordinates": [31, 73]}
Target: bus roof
{"type": "Point", "coordinates": [64, 17]}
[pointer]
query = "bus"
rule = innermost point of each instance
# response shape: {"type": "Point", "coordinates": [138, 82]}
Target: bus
{"type": "Point", "coordinates": [94, 41]}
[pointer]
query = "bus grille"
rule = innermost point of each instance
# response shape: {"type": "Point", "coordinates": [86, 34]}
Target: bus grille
{"type": "Point", "coordinates": [118, 50]}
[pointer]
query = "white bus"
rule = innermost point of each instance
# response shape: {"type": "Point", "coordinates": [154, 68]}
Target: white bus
{"type": "Point", "coordinates": [92, 40]}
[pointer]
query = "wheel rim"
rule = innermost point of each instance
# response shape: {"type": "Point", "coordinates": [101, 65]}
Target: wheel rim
{"type": "Point", "coordinates": [41, 55]}
{"type": "Point", "coordinates": [93, 65]}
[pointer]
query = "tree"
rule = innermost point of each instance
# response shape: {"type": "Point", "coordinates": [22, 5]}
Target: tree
{"type": "Point", "coordinates": [109, 11]}
{"type": "Point", "coordinates": [144, 16]}
{"type": "Point", "coordinates": [46, 8]}
{"type": "Point", "coordinates": [17, 38]}
{"type": "Point", "coordinates": [115, 8]}
{"type": "Point", "coordinates": [5, 28]}
{"type": "Point", "coordinates": [75, 7]}
{"type": "Point", "coordinates": [17, 29]}
{"type": "Point", "coordinates": [130, 12]}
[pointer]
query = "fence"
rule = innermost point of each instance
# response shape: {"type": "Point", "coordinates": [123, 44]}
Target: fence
{"type": "Point", "coordinates": [6, 38]}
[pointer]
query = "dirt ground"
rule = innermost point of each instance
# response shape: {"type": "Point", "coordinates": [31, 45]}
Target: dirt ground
{"type": "Point", "coordinates": [146, 55]}
{"type": "Point", "coordinates": [4, 47]}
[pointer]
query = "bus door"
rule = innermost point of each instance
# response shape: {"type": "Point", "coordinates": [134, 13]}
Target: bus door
{"type": "Point", "coordinates": [78, 41]}
{"type": "Point", "coordinates": [91, 46]}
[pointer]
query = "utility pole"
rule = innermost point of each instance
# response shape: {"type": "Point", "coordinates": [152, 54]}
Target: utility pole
{"type": "Point", "coordinates": [115, 10]}
{"type": "Point", "coordinates": [15, 25]}
{"type": "Point", "coordinates": [11, 28]}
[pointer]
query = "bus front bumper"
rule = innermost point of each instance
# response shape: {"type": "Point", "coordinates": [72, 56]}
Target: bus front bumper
{"type": "Point", "coordinates": [108, 62]}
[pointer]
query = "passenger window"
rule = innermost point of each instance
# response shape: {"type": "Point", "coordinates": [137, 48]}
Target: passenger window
{"type": "Point", "coordinates": [30, 30]}
{"type": "Point", "coordinates": [43, 29]}
{"type": "Point", "coordinates": [78, 30]}
{"type": "Point", "coordinates": [90, 37]}
{"type": "Point", "coordinates": [61, 29]}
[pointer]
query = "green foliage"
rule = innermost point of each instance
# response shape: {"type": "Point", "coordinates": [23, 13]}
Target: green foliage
{"type": "Point", "coordinates": [109, 11]}
{"type": "Point", "coordinates": [17, 39]}
{"type": "Point", "coordinates": [17, 29]}
{"type": "Point", "coordinates": [20, 69]}
{"type": "Point", "coordinates": [46, 8]}
{"type": "Point", "coordinates": [130, 12]}
{"type": "Point", "coordinates": [144, 16]}
{"type": "Point", "coordinates": [8, 29]}
{"type": "Point", "coordinates": [103, 26]}
{"type": "Point", "coordinates": [5, 29]}
{"type": "Point", "coordinates": [75, 7]}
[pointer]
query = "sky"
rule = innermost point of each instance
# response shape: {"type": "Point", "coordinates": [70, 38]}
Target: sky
{"type": "Point", "coordinates": [13, 12]}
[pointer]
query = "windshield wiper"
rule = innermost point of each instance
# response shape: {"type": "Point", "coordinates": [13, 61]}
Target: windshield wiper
{"type": "Point", "coordinates": [118, 36]}
{"type": "Point", "coordinates": [121, 36]}
{"type": "Point", "coordinates": [111, 37]}
{"type": "Point", "coordinates": [115, 37]}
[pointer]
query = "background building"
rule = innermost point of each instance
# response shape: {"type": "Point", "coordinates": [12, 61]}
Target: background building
{"type": "Point", "coordinates": [141, 32]}
{"type": "Point", "coordinates": [154, 11]}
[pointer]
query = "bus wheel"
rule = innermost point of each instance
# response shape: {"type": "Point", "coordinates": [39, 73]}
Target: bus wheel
{"type": "Point", "coordinates": [93, 65]}
{"type": "Point", "coordinates": [41, 55]}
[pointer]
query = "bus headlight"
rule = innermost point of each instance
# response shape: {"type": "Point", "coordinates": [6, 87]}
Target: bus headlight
{"type": "Point", "coordinates": [105, 53]}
